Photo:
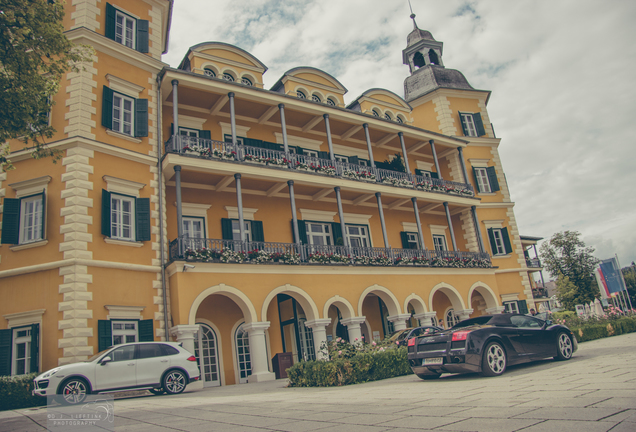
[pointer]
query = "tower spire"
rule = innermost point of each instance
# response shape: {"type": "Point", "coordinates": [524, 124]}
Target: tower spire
{"type": "Point", "coordinates": [412, 16]}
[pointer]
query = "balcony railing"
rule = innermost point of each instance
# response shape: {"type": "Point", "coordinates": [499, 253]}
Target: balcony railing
{"type": "Point", "coordinates": [233, 251]}
{"type": "Point", "coordinates": [533, 263]}
{"type": "Point", "coordinates": [539, 293]}
{"type": "Point", "coordinates": [210, 149]}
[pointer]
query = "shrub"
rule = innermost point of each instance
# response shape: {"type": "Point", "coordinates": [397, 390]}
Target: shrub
{"type": "Point", "coordinates": [597, 329]}
{"type": "Point", "coordinates": [15, 392]}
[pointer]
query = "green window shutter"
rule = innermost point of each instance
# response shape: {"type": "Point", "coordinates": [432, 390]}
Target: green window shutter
{"type": "Point", "coordinates": [104, 334]}
{"type": "Point", "coordinates": [106, 213]}
{"type": "Point", "coordinates": [479, 124]}
{"type": "Point", "coordinates": [299, 150]}
{"type": "Point", "coordinates": [205, 134]}
{"type": "Point", "coordinates": [171, 129]}
{"type": "Point", "coordinates": [35, 348]}
{"type": "Point", "coordinates": [405, 240]}
{"type": "Point", "coordinates": [142, 219]}
{"type": "Point", "coordinates": [5, 351]}
{"type": "Point", "coordinates": [226, 229]}
{"type": "Point", "coordinates": [506, 240]}
{"type": "Point", "coordinates": [476, 182]}
{"type": "Point", "coordinates": [302, 231]}
{"type": "Point", "coordinates": [492, 179]}
{"type": "Point", "coordinates": [251, 142]}
{"type": "Point", "coordinates": [323, 155]}
{"type": "Point", "coordinates": [43, 233]}
{"type": "Point", "coordinates": [434, 175]}
{"type": "Point", "coordinates": [107, 108]}
{"type": "Point", "coordinates": [142, 36]}
{"type": "Point", "coordinates": [141, 117]}
{"type": "Point", "coordinates": [337, 233]}
{"type": "Point", "coordinates": [110, 22]}
{"type": "Point", "coordinates": [418, 172]}
{"type": "Point", "coordinates": [146, 331]}
{"type": "Point", "coordinates": [11, 221]}
{"type": "Point", "coordinates": [461, 122]}
{"type": "Point", "coordinates": [493, 243]}
{"type": "Point", "coordinates": [523, 306]}
{"type": "Point", "coordinates": [257, 231]}
{"type": "Point", "coordinates": [354, 160]}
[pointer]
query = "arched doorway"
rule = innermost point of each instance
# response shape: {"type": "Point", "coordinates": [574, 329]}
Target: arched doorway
{"type": "Point", "coordinates": [207, 354]}
{"type": "Point", "coordinates": [448, 304]}
{"type": "Point", "coordinates": [295, 336]}
{"type": "Point", "coordinates": [244, 363]}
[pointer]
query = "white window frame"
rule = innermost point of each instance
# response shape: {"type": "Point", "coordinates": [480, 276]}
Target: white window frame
{"type": "Point", "coordinates": [413, 237]}
{"type": "Point", "coordinates": [439, 242]}
{"type": "Point", "coordinates": [124, 332]}
{"type": "Point", "coordinates": [342, 159]}
{"type": "Point", "coordinates": [363, 237]}
{"type": "Point", "coordinates": [31, 215]}
{"type": "Point", "coordinates": [326, 234]}
{"type": "Point", "coordinates": [482, 180]}
{"type": "Point", "coordinates": [119, 112]}
{"type": "Point", "coordinates": [17, 340]}
{"type": "Point", "coordinates": [310, 153]}
{"type": "Point", "coordinates": [188, 132]}
{"type": "Point", "coordinates": [188, 227]}
{"type": "Point", "coordinates": [120, 29]}
{"type": "Point", "coordinates": [450, 319]}
{"type": "Point", "coordinates": [511, 307]}
{"type": "Point", "coordinates": [236, 232]}
{"type": "Point", "coordinates": [501, 247]}
{"type": "Point", "coordinates": [117, 215]}
{"type": "Point", "coordinates": [469, 124]}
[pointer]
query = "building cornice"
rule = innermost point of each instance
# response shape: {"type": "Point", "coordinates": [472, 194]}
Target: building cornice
{"type": "Point", "coordinates": [19, 271]}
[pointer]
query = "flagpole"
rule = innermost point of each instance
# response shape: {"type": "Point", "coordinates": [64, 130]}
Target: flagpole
{"type": "Point", "coordinates": [624, 284]}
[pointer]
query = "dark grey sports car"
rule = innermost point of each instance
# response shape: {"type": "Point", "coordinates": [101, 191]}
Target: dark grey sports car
{"type": "Point", "coordinates": [488, 344]}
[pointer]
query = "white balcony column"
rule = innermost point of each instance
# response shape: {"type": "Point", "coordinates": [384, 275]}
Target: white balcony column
{"type": "Point", "coordinates": [292, 201]}
{"type": "Point", "coordinates": [473, 210]}
{"type": "Point", "coordinates": [331, 155]}
{"type": "Point", "coordinates": [258, 352]}
{"type": "Point", "coordinates": [450, 225]}
{"type": "Point", "coordinates": [353, 328]}
{"type": "Point", "coordinates": [426, 318]}
{"type": "Point", "coordinates": [464, 314]}
{"type": "Point", "coordinates": [175, 109]}
{"type": "Point", "coordinates": [418, 223]}
{"type": "Point", "coordinates": [460, 155]}
{"type": "Point", "coordinates": [343, 227]}
{"type": "Point", "coordinates": [283, 126]}
{"type": "Point", "coordinates": [239, 204]}
{"type": "Point", "coordinates": [399, 321]}
{"type": "Point", "coordinates": [406, 159]}
{"type": "Point", "coordinates": [378, 196]}
{"type": "Point", "coordinates": [185, 334]}
{"type": "Point", "coordinates": [319, 332]}
{"type": "Point", "coordinates": [232, 117]}
{"type": "Point", "coordinates": [439, 173]}
{"type": "Point", "coordinates": [495, 310]}
{"type": "Point", "coordinates": [177, 181]}
{"type": "Point", "coordinates": [369, 149]}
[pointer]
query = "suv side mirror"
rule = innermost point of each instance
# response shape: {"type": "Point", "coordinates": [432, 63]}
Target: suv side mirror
{"type": "Point", "coordinates": [105, 360]}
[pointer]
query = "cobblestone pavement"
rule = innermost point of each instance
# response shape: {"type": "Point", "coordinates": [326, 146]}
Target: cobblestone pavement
{"type": "Point", "coordinates": [595, 391]}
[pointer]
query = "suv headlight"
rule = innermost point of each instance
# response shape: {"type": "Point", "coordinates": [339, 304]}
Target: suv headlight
{"type": "Point", "coordinates": [49, 373]}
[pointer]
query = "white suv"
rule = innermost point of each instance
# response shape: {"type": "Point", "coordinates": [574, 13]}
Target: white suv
{"type": "Point", "coordinates": [155, 366]}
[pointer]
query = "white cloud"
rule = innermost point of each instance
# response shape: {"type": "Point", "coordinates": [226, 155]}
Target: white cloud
{"type": "Point", "coordinates": [561, 74]}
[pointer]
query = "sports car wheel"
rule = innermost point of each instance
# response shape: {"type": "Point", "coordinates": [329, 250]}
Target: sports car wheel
{"type": "Point", "coordinates": [428, 376]}
{"type": "Point", "coordinates": [174, 382]}
{"type": "Point", "coordinates": [494, 360]}
{"type": "Point", "coordinates": [156, 392]}
{"type": "Point", "coordinates": [564, 347]}
{"type": "Point", "coordinates": [74, 391]}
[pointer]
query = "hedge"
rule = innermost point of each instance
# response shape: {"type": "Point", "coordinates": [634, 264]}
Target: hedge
{"type": "Point", "coordinates": [589, 332]}
{"type": "Point", "coordinates": [15, 392]}
{"type": "Point", "coordinates": [363, 367]}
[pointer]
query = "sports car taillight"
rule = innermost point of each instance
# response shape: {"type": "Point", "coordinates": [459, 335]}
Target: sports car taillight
{"type": "Point", "coordinates": [192, 358]}
{"type": "Point", "coordinates": [460, 335]}
{"type": "Point", "coordinates": [412, 341]}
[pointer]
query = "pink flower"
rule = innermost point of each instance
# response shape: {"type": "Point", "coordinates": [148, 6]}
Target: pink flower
{"type": "Point", "coordinates": [355, 340]}
{"type": "Point", "coordinates": [339, 352]}
{"type": "Point", "coordinates": [373, 343]}
{"type": "Point", "coordinates": [338, 339]}
{"type": "Point", "coordinates": [397, 342]}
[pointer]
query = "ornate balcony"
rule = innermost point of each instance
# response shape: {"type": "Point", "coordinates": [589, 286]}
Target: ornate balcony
{"type": "Point", "coordinates": [210, 149]}
{"type": "Point", "coordinates": [232, 251]}
{"type": "Point", "coordinates": [533, 263]}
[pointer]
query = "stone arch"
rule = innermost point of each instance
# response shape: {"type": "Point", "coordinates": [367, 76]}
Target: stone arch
{"type": "Point", "coordinates": [486, 292]}
{"type": "Point", "coordinates": [389, 299]}
{"type": "Point", "coordinates": [320, 95]}
{"type": "Point", "coordinates": [250, 77]}
{"type": "Point", "coordinates": [243, 302]}
{"type": "Point", "coordinates": [212, 67]}
{"type": "Point", "coordinates": [303, 90]}
{"type": "Point", "coordinates": [305, 300]}
{"type": "Point", "coordinates": [230, 71]}
{"type": "Point", "coordinates": [418, 304]}
{"type": "Point", "coordinates": [341, 303]}
{"type": "Point", "coordinates": [451, 292]}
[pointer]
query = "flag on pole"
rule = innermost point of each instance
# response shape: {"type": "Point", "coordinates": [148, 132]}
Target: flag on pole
{"type": "Point", "coordinates": [601, 283]}
{"type": "Point", "coordinates": [611, 276]}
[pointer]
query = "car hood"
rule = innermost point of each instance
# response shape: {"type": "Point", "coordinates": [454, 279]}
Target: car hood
{"type": "Point", "coordinates": [64, 369]}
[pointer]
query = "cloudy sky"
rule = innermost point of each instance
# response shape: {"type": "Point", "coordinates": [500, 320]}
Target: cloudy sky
{"type": "Point", "coordinates": [562, 75]}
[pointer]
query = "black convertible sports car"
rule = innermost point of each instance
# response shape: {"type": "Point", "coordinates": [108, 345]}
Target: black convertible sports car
{"type": "Point", "coordinates": [489, 343]}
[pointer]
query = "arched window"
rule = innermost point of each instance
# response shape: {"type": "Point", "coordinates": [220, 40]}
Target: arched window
{"type": "Point", "coordinates": [246, 81]}
{"type": "Point", "coordinates": [228, 77]}
{"type": "Point", "coordinates": [418, 60]}
{"type": "Point", "coordinates": [209, 72]}
{"type": "Point", "coordinates": [387, 116]}
{"type": "Point", "coordinates": [432, 56]}
{"type": "Point", "coordinates": [450, 319]}
{"type": "Point", "coordinates": [300, 95]}
{"type": "Point", "coordinates": [331, 102]}
{"type": "Point", "coordinates": [375, 113]}
{"type": "Point", "coordinates": [206, 352]}
{"type": "Point", "coordinates": [243, 354]}
{"type": "Point", "coordinates": [399, 119]}
{"type": "Point", "coordinates": [315, 98]}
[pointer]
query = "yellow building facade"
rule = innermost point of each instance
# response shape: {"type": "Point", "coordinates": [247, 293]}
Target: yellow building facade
{"type": "Point", "coordinates": [193, 204]}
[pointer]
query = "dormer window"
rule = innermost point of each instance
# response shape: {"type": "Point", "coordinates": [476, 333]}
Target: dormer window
{"type": "Point", "coordinates": [209, 72]}
{"type": "Point", "coordinates": [399, 119]}
{"type": "Point", "coordinates": [246, 81]}
{"type": "Point", "coordinates": [315, 98]}
{"type": "Point", "coordinates": [300, 95]}
{"type": "Point", "coordinates": [228, 77]}
{"type": "Point", "coordinates": [331, 102]}
{"type": "Point", "coordinates": [387, 116]}
{"type": "Point", "coordinates": [375, 113]}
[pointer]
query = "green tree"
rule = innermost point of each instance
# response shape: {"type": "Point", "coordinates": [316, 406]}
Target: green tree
{"type": "Point", "coordinates": [629, 274]}
{"type": "Point", "coordinates": [34, 55]}
{"type": "Point", "coordinates": [565, 255]}
{"type": "Point", "coordinates": [396, 164]}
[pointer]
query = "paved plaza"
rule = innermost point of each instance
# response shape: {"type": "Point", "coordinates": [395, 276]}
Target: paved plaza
{"type": "Point", "coordinates": [595, 391]}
